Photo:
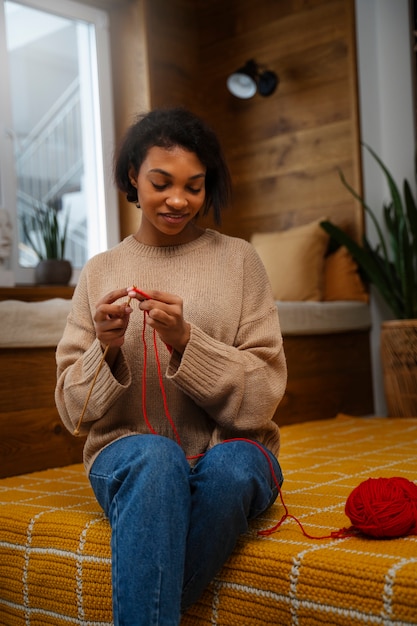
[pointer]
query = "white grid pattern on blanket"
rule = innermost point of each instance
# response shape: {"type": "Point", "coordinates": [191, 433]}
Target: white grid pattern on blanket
{"type": "Point", "coordinates": [308, 580]}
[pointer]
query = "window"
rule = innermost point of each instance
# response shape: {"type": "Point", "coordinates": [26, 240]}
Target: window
{"type": "Point", "coordinates": [57, 120]}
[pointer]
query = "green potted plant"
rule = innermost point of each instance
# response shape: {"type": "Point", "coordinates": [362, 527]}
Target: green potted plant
{"type": "Point", "coordinates": [45, 230]}
{"type": "Point", "coordinates": [391, 266]}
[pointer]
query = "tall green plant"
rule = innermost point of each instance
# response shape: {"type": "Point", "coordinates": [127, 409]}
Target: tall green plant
{"type": "Point", "coordinates": [391, 265]}
{"type": "Point", "coordinates": [45, 232]}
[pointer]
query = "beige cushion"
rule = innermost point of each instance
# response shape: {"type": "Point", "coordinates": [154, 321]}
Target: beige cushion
{"type": "Point", "coordinates": [294, 261]}
{"type": "Point", "coordinates": [341, 278]}
{"type": "Point", "coordinates": [33, 324]}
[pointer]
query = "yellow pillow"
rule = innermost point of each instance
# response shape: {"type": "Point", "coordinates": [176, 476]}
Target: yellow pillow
{"type": "Point", "coordinates": [294, 261]}
{"type": "Point", "coordinates": [341, 278]}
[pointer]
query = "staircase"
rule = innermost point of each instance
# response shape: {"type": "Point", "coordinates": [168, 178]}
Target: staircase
{"type": "Point", "coordinates": [49, 164]}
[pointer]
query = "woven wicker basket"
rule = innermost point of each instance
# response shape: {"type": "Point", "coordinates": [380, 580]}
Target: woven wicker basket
{"type": "Point", "coordinates": [399, 364]}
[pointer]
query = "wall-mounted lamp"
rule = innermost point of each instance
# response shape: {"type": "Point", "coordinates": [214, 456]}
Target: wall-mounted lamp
{"type": "Point", "coordinates": [245, 82]}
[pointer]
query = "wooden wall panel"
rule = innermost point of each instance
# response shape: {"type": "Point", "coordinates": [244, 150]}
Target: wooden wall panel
{"type": "Point", "coordinates": [172, 38]}
{"type": "Point", "coordinates": [327, 375]}
{"type": "Point", "coordinates": [284, 151]}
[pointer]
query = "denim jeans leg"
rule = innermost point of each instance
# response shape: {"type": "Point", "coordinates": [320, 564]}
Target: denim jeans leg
{"type": "Point", "coordinates": [230, 485]}
{"type": "Point", "coordinates": [142, 484]}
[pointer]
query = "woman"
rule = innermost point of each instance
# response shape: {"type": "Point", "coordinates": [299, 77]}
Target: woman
{"type": "Point", "coordinates": [192, 358]}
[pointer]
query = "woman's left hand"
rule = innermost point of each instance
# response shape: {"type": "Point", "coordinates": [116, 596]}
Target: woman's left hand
{"type": "Point", "coordinates": [165, 315]}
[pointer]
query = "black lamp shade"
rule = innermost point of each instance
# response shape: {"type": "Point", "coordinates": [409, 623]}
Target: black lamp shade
{"type": "Point", "coordinates": [267, 83]}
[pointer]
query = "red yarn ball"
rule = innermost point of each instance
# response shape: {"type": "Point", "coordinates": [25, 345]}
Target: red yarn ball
{"type": "Point", "coordinates": [384, 507]}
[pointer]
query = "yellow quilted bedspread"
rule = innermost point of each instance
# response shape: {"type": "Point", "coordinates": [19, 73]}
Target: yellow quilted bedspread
{"type": "Point", "coordinates": [55, 554]}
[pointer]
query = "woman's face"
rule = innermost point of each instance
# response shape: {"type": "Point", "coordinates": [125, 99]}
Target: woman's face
{"type": "Point", "coordinates": [171, 191]}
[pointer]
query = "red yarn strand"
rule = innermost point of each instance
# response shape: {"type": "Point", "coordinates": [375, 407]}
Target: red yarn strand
{"type": "Point", "coordinates": [145, 363]}
{"type": "Point", "coordinates": [377, 507]}
{"type": "Point", "coordinates": [161, 385]}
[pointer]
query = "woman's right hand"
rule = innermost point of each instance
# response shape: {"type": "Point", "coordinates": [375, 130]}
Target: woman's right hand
{"type": "Point", "coordinates": [111, 320]}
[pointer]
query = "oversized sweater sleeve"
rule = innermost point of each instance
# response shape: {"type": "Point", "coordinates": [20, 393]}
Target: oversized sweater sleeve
{"type": "Point", "coordinates": [78, 357]}
{"type": "Point", "coordinates": [238, 385]}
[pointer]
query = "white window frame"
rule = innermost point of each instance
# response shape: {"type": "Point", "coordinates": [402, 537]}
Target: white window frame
{"type": "Point", "coordinates": [107, 220]}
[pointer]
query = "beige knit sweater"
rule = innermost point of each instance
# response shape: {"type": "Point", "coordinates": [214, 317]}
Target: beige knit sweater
{"type": "Point", "coordinates": [231, 376]}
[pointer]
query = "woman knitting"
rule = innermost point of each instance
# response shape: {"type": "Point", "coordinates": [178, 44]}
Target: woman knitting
{"type": "Point", "coordinates": [180, 444]}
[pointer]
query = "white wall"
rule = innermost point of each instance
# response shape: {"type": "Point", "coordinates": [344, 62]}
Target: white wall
{"type": "Point", "coordinates": [387, 122]}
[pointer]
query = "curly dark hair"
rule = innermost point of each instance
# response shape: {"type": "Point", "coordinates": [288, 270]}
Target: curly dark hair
{"type": "Point", "coordinates": [167, 128]}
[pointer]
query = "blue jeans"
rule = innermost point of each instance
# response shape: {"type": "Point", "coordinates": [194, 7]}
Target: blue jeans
{"type": "Point", "coordinates": [173, 526]}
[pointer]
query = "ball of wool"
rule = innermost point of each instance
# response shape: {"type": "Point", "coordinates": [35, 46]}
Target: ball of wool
{"type": "Point", "coordinates": [384, 507]}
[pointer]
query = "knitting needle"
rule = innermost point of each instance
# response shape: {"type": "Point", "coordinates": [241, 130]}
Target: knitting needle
{"type": "Point", "coordinates": [100, 365]}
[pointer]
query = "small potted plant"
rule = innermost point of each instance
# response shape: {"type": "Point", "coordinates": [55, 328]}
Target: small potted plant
{"type": "Point", "coordinates": [391, 266]}
{"type": "Point", "coordinates": [45, 230]}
